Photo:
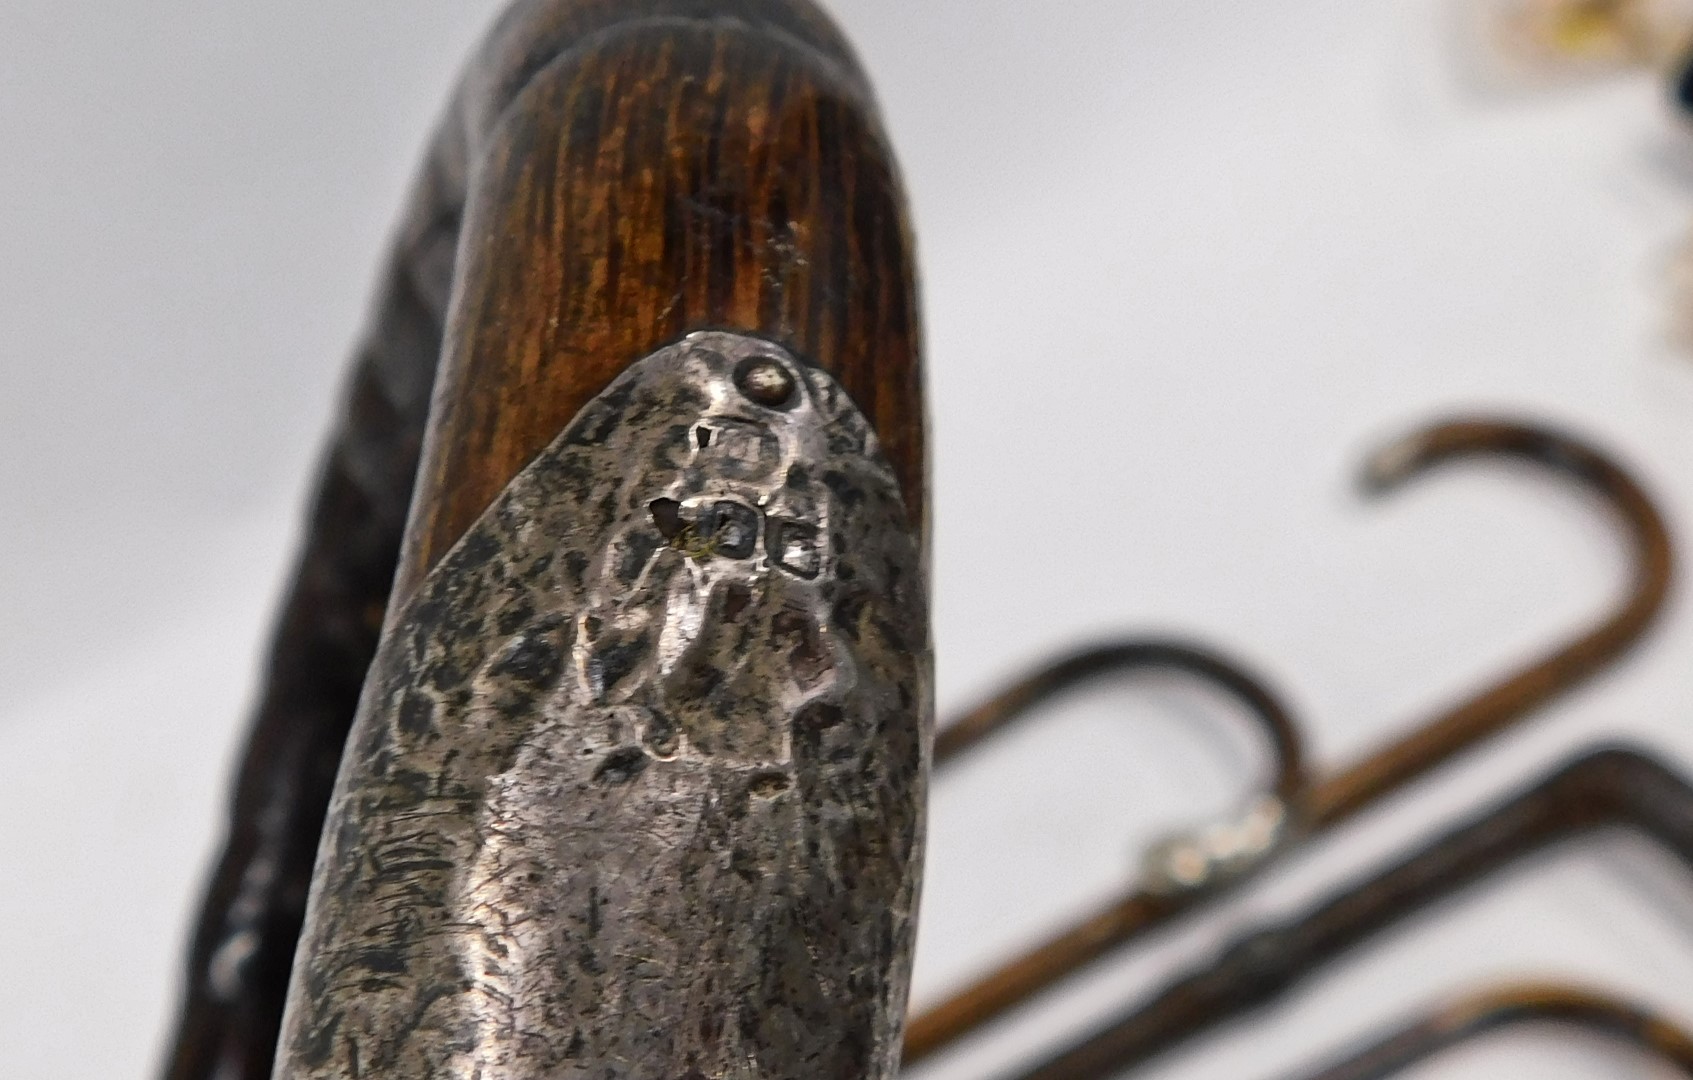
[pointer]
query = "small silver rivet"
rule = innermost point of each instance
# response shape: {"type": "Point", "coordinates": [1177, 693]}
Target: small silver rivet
{"type": "Point", "coordinates": [765, 382]}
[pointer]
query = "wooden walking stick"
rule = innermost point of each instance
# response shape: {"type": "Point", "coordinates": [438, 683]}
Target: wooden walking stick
{"type": "Point", "coordinates": [1605, 787]}
{"type": "Point", "coordinates": [635, 784]}
{"type": "Point", "coordinates": [1483, 1012]}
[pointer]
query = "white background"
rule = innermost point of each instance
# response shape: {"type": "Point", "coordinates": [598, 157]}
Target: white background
{"type": "Point", "coordinates": [1184, 261]}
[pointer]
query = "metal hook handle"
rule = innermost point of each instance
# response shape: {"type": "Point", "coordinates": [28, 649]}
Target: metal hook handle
{"type": "Point", "coordinates": [1330, 800]}
{"type": "Point", "coordinates": [1489, 1010]}
{"type": "Point", "coordinates": [1017, 700]}
{"type": "Point", "coordinates": [1614, 786]}
{"type": "Point", "coordinates": [1497, 706]}
{"type": "Point", "coordinates": [1196, 858]}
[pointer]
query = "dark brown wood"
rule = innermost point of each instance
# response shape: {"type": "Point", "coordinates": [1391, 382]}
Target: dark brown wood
{"type": "Point", "coordinates": [610, 175]}
{"type": "Point", "coordinates": [674, 176]}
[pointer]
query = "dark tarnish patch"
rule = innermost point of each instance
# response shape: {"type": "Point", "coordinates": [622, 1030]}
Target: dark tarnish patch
{"type": "Point", "coordinates": [444, 675]}
{"type": "Point", "coordinates": [317, 1046]}
{"type": "Point", "coordinates": [818, 717]}
{"type": "Point", "coordinates": [622, 766]}
{"type": "Point", "coordinates": [575, 565]}
{"type": "Point", "coordinates": [512, 618]}
{"type": "Point", "coordinates": [638, 548]}
{"type": "Point", "coordinates": [852, 1059]}
{"type": "Point", "coordinates": [590, 960]}
{"type": "Point", "coordinates": [736, 599]}
{"type": "Point", "coordinates": [602, 416]}
{"type": "Point", "coordinates": [614, 658]}
{"type": "Point", "coordinates": [667, 517]}
{"type": "Point", "coordinates": [850, 495]}
{"type": "Point", "coordinates": [695, 678]}
{"type": "Point", "coordinates": [417, 714]}
{"type": "Point", "coordinates": [824, 735]}
{"type": "Point", "coordinates": [768, 785]}
{"type": "Point", "coordinates": [533, 659]}
{"type": "Point", "coordinates": [808, 657]}
{"type": "Point", "coordinates": [848, 613]}
{"type": "Point", "coordinates": [382, 960]}
{"type": "Point", "coordinates": [476, 550]}
{"type": "Point", "coordinates": [745, 862]}
{"type": "Point", "coordinates": [661, 737]}
{"type": "Point", "coordinates": [671, 451]}
{"type": "Point", "coordinates": [726, 691]}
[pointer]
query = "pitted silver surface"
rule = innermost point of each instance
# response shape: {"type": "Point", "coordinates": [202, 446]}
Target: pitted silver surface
{"type": "Point", "coordinates": [636, 787]}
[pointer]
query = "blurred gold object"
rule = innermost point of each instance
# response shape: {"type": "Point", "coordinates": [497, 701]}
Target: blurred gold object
{"type": "Point", "coordinates": [1592, 36]}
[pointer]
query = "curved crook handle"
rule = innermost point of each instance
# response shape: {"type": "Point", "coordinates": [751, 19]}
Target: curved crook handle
{"type": "Point", "coordinates": [1496, 707]}
{"type": "Point", "coordinates": [1503, 1006]}
{"type": "Point", "coordinates": [1017, 700]}
{"type": "Point", "coordinates": [1205, 856]}
{"type": "Point", "coordinates": [1195, 858]}
{"type": "Point", "coordinates": [1329, 800]}
{"type": "Point", "coordinates": [1605, 788]}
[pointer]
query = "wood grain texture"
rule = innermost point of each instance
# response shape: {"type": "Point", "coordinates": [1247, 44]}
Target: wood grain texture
{"type": "Point", "coordinates": [680, 174]}
{"type": "Point", "coordinates": [610, 175]}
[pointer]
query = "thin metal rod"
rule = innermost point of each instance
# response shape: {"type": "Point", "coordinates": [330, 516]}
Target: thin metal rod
{"type": "Point", "coordinates": [1331, 800]}
{"type": "Point", "coordinates": [1488, 1011]}
{"type": "Point", "coordinates": [1018, 700]}
{"type": "Point", "coordinates": [1614, 786]}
